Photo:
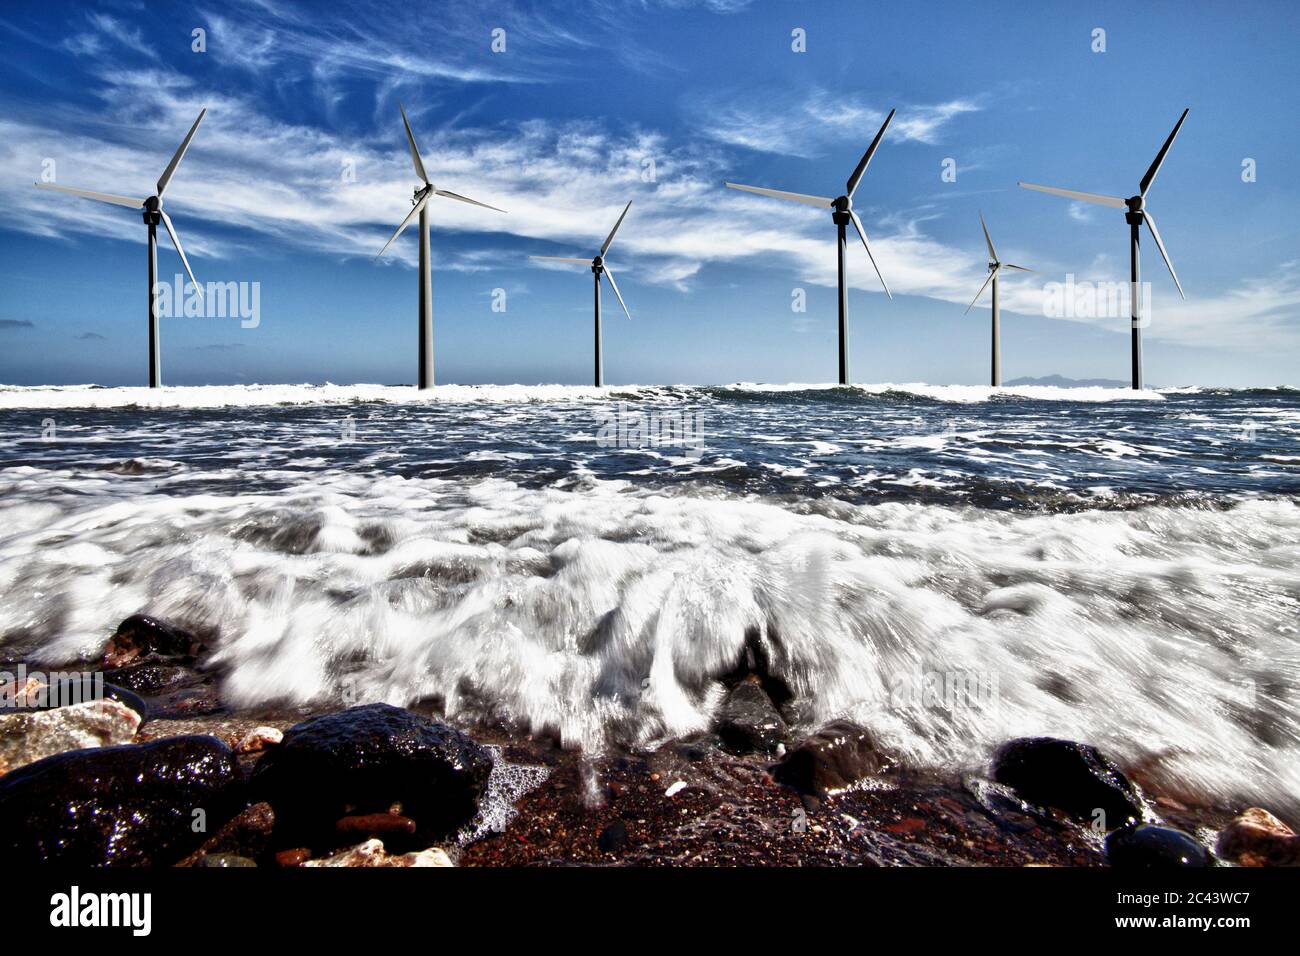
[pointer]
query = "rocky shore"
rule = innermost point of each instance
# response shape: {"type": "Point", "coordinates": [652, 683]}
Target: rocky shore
{"type": "Point", "coordinates": [138, 763]}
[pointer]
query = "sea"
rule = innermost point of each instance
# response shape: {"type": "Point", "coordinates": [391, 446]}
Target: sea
{"type": "Point", "coordinates": [949, 566]}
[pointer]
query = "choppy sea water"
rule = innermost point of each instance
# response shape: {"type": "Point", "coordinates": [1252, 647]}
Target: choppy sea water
{"type": "Point", "coordinates": [950, 566]}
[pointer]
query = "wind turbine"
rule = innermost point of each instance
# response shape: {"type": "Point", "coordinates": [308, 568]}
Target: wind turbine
{"type": "Point", "coordinates": [995, 266]}
{"type": "Point", "coordinates": [153, 214]}
{"type": "Point", "coordinates": [420, 204]}
{"type": "Point", "coordinates": [842, 216]}
{"type": "Point", "coordinates": [599, 268]}
{"type": "Point", "coordinates": [1136, 215]}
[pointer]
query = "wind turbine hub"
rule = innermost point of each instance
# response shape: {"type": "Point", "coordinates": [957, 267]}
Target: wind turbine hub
{"type": "Point", "coordinates": [153, 210]}
{"type": "Point", "coordinates": [598, 265]}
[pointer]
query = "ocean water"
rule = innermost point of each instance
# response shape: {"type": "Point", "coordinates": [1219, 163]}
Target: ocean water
{"type": "Point", "coordinates": [951, 567]}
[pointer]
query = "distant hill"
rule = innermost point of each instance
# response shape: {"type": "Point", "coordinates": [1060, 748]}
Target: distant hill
{"type": "Point", "coordinates": [1060, 381]}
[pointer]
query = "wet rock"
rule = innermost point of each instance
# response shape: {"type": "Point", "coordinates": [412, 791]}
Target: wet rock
{"type": "Point", "coordinates": [293, 857]}
{"type": "Point", "coordinates": [1153, 846]}
{"type": "Point", "coordinates": [381, 825]}
{"type": "Point", "coordinates": [259, 739]}
{"type": "Point", "coordinates": [223, 861]}
{"type": "Point", "coordinates": [747, 721]}
{"type": "Point", "coordinates": [1074, 778]}
{"type": "Point", "coordinates": [140, 634]}
{"type": "Point", "coordinates": [613, 839]}
{"type": "Point", "coordinates": [64, 691]}
{"type": "Point", "coordinates": [365, 760]}
{"type": "Point", "coordinates": [118, 806]}
{"type": "Point", "coordinates": [831, 759]}
{"type": "Point", "coordinates": [372, 854]}
{"type": "Point", "coordinates": [32, 735]}
{"type": "Point", "coordinates": [152, 677]}
{"type": "Point", "coordinates": [248, 834]}
{"type": "Point", "coordinates": [1257, 838]}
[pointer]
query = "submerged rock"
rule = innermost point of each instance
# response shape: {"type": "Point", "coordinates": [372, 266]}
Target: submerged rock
{"type": "Point", "coordinates": [372, 853]}
{"type": "Point", "coordinates": [1153, 846]}
{"type": "Point", "coordinates": [1257, 838]}
{"type": "Point", "coordinates": [118, 806]}
{"type": "Point", "coordinates": [1072, 777]}
{"type": "Point", "coordinates": [831, 759]}
{"type": "Point", "coordinates": [32, 735]}
{"type": "Point", "coordinates": [141, 635]}
{"type": "Point", "coordinates": [748, 721]}
{"type": "Point", "coordinates": [367, 760]}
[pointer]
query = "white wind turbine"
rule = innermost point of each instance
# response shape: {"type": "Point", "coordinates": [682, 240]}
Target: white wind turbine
{"type": "Point", "coordinates": [842, 216]}
{"type": "Point", "coordinates": [153, 214]}
{"type": "Point", "coordinates": [995, 266]}
{"type": "Point", "coordinates": [419, 205]}
{"type": "Point", "coordinates": [1136, 215]}
{"type": "Point", "coordinates": [599, 268]}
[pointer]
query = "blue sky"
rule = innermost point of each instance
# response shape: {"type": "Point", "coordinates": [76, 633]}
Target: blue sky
{"type": "Point", "coordinates": [559, 128]}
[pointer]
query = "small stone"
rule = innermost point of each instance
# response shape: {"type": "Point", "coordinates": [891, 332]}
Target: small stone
{"type": "Point", "coordinates": [33, 735]}
{"type": "Point", "coordinates": [372, 854]}
{"type": "Point", "coordinates": [1257, 838]}
{"type": "Point", "coordinates": [258, 739]}
{"type": "Point", "coordinates": [247, 835]}
{"type": "Point", "coordinates": [675, 789]}
{"type": "Point", "coordinates": [831, 759]}
{"type": "Point", "coordinates": [295, 857]}
{"type": "Point", "coordinates": [376, 825]}
{"type": "Point", "coordinates": [613, 838]}
{"type": "Point", "coordinates": [1150, 846]}
{"type": "Point", "coordinates": [140, 634]}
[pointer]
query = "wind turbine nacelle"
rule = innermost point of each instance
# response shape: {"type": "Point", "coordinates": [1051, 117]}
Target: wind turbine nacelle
{"type": "Point", "coordinates": [597, 265]}
{"type": "Point", "coordinates": [152, 211]}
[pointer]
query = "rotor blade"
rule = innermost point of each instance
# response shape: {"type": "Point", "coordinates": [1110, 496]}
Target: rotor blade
{"type": "Point", "coordinates": [91, 194]}
{"type": "Point", "coordinates": [415, 152]}
{"type": "Point", "coordinates": [409, 216]}
{"type": "Point", "coordinates": [987, 280]}
{"type": "Point", "coordinates": [993, 253]}
{"type": "Point", "coordinates": [857, 224]}
{"type": "Point", "coordinates": [1008, 265]}
{"type": "Point", "coordinates": [472, 202]}
{"type": "Point", "coordinates": [176, 241]}
{"type": "Point", "coordinates": [180, 154]}
{"type": "Point", "coordinates": [778, 194]}
{"type": "Point", "coordinates": [1150, 177]}
{"type": "Point", "coordinates": [866, 158]}
{"type": "Point", "coordinates": [614, 285]}
{"type": "Point", "coordinates": [585, 262]}
{"type": "Point", "coordinates": [1114, 201]}
{"type": "Point", "coordinates": [605, 248]}
{"type": "Point", "coordinates": [1155, 234]}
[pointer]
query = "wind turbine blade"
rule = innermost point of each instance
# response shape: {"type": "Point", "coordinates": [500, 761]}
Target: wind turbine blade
{"type": "Point", "coordinates": [415, 152]}
{"type": "Point", "coordinates": [1155, 234]}
{"type": "Point", "coordinates": [1008, 265]}
{"type": "Point", "coordinates": [585, 262]}
{"type": "Point", "coordinates": [180, 154]}
{"type": "Point", "coordinates": [866, 158]}
{"type": "Point", "coordinates": [1113, 201]}
{"type": "Point", "coordinates": [91, 194]}
{"type": "Point", "coordinates": [862, 234]}
{"type": "Point", "coordinates": [993, 253]}
{"type": "Point", "coordinates": [1150, 177]}
{"type": "Point", "coordinates": [472, 202]}
{"type": "Point", "coordinates": [604, 248]}
{"type": "Point", "coordinates": [409, 216]}
{"type": "Point", "coordinates": [987, 280]}
{"type": "Point", "coordinates": [176, 241]}
{"type": "Point", "coordinates": [778, 194]}
{"type": "Point", "coordinates": [614, 285]}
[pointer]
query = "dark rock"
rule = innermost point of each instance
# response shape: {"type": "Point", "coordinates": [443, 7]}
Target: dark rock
{"type": "Point", "coordinates": [152, 676]}
{"type": "Point", "coordinates": [1074, 778]}
{"type": "Point", "coordinates": [224, 861]}
{"type": "Point", "coordinates": [366, 760]}
{"type": "Point", "coordinates": [139, 635]}
{"type": "Point", "coordinates": [748, 722]}
{"type": "Point", "coordinates": [755, 663]}
{"type": "Point", "coordinates": [296, 856]}
{"type": "Point", "coordinates": [118, 806]}
{"type": "Point", "coordinates": [831, 759]}
{"type": "Point", "coordinates": [248, 834]}
{"type": "Point", "coordinates": [613, 839]}
{"type": "Point", "coordinates": [1152, 846]}
{"type": "Point", "coordinates": [77, 690]}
